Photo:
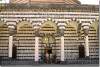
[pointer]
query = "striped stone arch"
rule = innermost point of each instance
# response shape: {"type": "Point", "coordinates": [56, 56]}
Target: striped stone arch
{"type": "Point", "coordinates": [50, 24]}
{"type": "Point", "coordinates": [25, 38]}
{"type": "Point", "coordinates": [71, 35]}
{"type": "Point", "coordinates": [4, 40]}
{"type": "Point", "coordinates": [73, 24]}
{"type": "Point", "coordinates": [2, 23]}
{"type": "Point", "coordinates": [22, 23]}
{"type": "Point", "coordinates": [95, 25]}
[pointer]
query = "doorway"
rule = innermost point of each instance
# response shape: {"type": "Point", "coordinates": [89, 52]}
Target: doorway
{"type": "Point", "coordinates": [49, 43]}
{"type": "Point", "coordinates": [48, 32]}
{"type": "Point", "coordinates": [81, 51]}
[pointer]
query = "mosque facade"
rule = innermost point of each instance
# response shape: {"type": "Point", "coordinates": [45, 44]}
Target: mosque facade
{"type": "Point", "coordinates": [49, 31]}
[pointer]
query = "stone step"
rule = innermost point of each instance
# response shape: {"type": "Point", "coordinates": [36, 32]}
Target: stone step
{"type": "Point", "coordinates": [32, 62]}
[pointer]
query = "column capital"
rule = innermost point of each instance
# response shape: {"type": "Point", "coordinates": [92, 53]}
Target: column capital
{"type": "Point", "coordinates": [11, 23]}
{"type": "Point", "coordinates": [11, 29]}
{"type": "Point", "coordinates": [37, 32]}
{"type": "Point", "coordinates": [86, 31]}
{"type": "Point", "coordinates": [61, 32]}
{"type": "Point", "coordinates": [86, 27]}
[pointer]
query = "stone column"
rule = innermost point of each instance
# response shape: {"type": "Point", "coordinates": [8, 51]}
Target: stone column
{"type": "Point", "coordinates": [62, 44]}
{"type": "Point", "coordinates": [10, 46]}
{"type": "Point", "coordinates": [11, 32]}
{"type": "Point", "coordinates": [86, 31]}
{"type": "Point", "coordinates": [36, 46]}
{"type": "Point", "coordinates": [86, 26]}
{"type": "Point", "coordinates": [12, 28]}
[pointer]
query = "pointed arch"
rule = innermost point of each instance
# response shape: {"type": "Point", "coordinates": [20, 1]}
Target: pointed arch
{"type": "Point", "coordinates": [73, 24]}
{"type": "Point", "coordinates": [95, 25]}
{"type": "Point", "coordinates": [74, 27]}
{"type": "Point", "coordinates": [49, 25]}
{"type": "Point", "coordinates": [23, 23]}
{"type": "Point", "coordinates": [25, 37]}
{"type": "Point", "coordinates": [4, 40]}
{"type": "Point", "coordinates": [2, 24]}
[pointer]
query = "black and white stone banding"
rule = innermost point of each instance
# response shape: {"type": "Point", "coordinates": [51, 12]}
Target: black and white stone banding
{"type": "Point", "coordinates": [86, 26]}
{"type": "Point", "coordinates": [62, 25]}
{"type": "Point", "coordinates": [11, 27]}
{"type": "Point", "coordinates": [36, 28]}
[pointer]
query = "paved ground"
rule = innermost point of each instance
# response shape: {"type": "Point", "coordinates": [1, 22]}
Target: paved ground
{"type": "Point", "coordinates": [52, 65]}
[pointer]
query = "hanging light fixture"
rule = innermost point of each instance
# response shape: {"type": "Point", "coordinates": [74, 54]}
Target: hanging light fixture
{"type": "Point", "coordinates": [45, 39]}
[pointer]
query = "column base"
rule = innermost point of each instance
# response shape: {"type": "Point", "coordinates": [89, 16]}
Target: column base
{"type": "Point", "coordinates": [36, 62]}
{"type": "Point", "coordinates": [10, 58]}
{"type": "Point", "coordinates": [87, 57]}
{"type": "Point", "coordinates": [62, 62]}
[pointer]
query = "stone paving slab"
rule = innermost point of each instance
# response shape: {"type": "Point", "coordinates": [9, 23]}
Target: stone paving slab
{"type": "Point", "coordinates": [54, 65]}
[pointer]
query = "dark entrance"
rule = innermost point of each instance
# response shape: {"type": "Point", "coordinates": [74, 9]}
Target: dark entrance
{"type": "Point", "coordinates": [49, 42]}
{"type": "Point", "coordinates": [14, 52]}
{"type": "Point", "coordinates": [48, 55]}
{"type": "Point", "coordinates": [81, 51]}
